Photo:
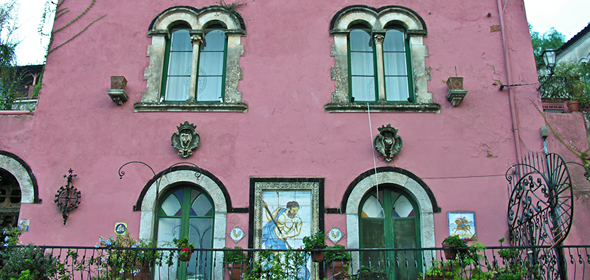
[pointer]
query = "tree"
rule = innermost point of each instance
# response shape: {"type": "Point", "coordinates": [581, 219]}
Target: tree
{"type": "Point", "coordinates": [551, 39]}
{"type": "Point", "coordinates": [10, 81]}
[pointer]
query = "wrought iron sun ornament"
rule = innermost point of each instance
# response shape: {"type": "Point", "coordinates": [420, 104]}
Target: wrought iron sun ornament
{"type": "Point", "coordinates": [68, 197]}
{"type": "Point", "coordinates": [540, 209]}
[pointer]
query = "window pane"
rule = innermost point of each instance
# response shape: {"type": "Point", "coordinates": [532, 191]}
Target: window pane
{"type": "Point", "coordinates": [402, 208]}
{"type": "Point", "coordinates": [396, 88]}
{"type": "Point", "coordinates": [181, 41]}
{"type": "Point", "coordinates": [201, 207]}
{"type": "Point", "coordinates": [395, 64]}
{"type": "Point", "coordinates": [361, 63]}
{"type": "Point", "coordinates": [360, 40]}
{"type": "Point", "coordinates": [394, 41]}
{"type": "Point", "coordinates": [214, 41]}
{"type": "Point", "coordinates": [201, 233]}
{"type": "Point", "coordinates": [209, 89]}
{"type": "Point", "coordinates": [211, 63]}
{"type": "Point", "coordinates": [372, 208]}
{"type": "Point", "coordinates": [168, 229]}
{"type": "Point", "coordinates": [180, 63]}
{"type": "Point", "coordinates": [177, 88]}
{"type": "Point", "coordinates": [171, 206]}
{"type": "Point", "coordinates": [363, 88]}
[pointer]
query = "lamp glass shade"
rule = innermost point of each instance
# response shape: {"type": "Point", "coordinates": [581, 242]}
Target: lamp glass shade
{"type": "Point", "coordinates": [549, 58]}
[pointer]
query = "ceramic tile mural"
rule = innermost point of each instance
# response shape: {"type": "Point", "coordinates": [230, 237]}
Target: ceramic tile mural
{"type": "Point", "coordinates": [284, 213]}
{"type": "Point", "coordinates": [462, 224]}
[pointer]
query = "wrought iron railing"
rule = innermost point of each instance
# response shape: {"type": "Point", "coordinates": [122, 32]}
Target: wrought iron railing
{"type": "Point", "coordinates": [58, 262]}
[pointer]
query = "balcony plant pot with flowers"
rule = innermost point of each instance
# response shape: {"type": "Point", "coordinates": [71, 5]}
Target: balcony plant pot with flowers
{"type": "Point", "coordinates": [337, 261]}
{"type": "Point", "coordinates": [186, 248]}
{"type": "Point", "coordinates": [235, 261]}
{"type": "Point", "coordinates": [450, 245]}
{"type": "Point", "coordinates": [315, 242]}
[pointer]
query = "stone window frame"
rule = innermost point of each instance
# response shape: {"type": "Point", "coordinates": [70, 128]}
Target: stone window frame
{"type": "Point", "coordinates": [378, 18]}
{"type": "Point", "coordinates": [197, 20]}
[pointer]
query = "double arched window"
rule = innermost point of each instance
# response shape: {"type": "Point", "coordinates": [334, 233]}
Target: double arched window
{"type": "Point", "coordinates": [185, 53]}
{"type": "Point", "coordinates": [379, 58]}
{"type": "Point", "coordinates": [379, 65]}
{"type": "Point", "coordinates": [194, 61]}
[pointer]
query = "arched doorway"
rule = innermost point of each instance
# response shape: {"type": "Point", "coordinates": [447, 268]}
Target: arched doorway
{"type": "Point", "coordinates": [399, 186]}
{"type": "Point", "coordinates": [10, 199]}
{"type": "Point", "coordinates": [186, 210]}
{"type": "Point", "coordinates": [390, 219]}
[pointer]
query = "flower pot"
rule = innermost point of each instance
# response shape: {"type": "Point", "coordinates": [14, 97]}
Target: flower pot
{"type": "Point", "coordinates": [317, 256]}
{"type": "Point", "coordinates": [574, 106]}
{"type": "Point", "coordinates": [236, 269]}
{"type": "Point", "coordinates": [187, 258]}
{"type": "Point", "coordinates": [450, 253]}
{"type": "Point", "coordinates": [338, 271]}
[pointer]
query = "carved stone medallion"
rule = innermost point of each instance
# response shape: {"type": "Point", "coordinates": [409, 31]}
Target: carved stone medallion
{"type": "Point", "coordinates": [388, 143]}
{"type": "Point", "coordinates": [186, 139]}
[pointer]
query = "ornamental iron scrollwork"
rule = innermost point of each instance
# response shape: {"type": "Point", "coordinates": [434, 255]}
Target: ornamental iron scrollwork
{"type": "Point", "coordinates": [67, 198]}
{"type": "Point", "coordinates": [170, 168]}
{"type": "Point", "coordinates": [186, 139]}
{"type": "Point", "coordinates": [387, 142]}
{"type": "Point", "coordinates": [540, 210]}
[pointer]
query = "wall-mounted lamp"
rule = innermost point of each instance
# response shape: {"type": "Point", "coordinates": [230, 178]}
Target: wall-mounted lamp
{"type": "Point", "coordinates": [68, 197]}
{"type": "Point", "coordinates": [456, 92]}
{"type": "Point", "coordinates": [117, 91]}
{"type": "Point", "coordinates": [549, 56]}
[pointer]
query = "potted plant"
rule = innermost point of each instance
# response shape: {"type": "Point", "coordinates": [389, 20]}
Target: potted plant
{"type": "Point", "coordinates": [235, 261]}
{"type": "Point", "coordinates": [450, 245]}
{"type": "Point", "coordinates": [338, 260]}
{"type": "Point", "coordinates": [123, 260]}
{"type": "Point", "coordinates": [186, 248]}
{"type": "Point", "coordinates": [315, 242]}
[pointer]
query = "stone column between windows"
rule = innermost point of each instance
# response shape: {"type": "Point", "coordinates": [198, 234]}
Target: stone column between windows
{"type": "Point", "coordinates": [196, 40]}
{"type": "Point", "coordinates": [380, 71]}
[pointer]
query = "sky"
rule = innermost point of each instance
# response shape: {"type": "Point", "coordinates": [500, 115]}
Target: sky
{"type": "Point", "coordinates": [566, 16]}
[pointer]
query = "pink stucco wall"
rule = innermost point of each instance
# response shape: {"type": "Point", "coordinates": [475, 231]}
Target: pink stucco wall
{"type": "Point", "coordinates": [461, 153]}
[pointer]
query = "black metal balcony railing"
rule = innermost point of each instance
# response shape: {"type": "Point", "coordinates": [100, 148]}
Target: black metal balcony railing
{"type": "Point", "coordinates": [58, 262]}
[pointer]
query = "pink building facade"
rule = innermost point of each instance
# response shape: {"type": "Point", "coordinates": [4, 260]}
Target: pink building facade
{"type": "Point", "coordinates": [288, 99]}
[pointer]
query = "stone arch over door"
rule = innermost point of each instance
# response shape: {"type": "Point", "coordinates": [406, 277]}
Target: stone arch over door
{"type": "Point", "coordinates": [23, 175]}
{"type": "Point", "coordinates": [165, 180]}
{"type": "Point", "coordinates": [401, 179]}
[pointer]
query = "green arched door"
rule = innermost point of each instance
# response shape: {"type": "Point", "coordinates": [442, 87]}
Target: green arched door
{"type": "Point", "coordinates": [390, 220]}
{"type": "Point", "coordinates": [187, 211]}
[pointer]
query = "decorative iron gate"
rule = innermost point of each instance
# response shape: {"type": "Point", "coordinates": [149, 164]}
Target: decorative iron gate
{"type": "Point", "coordinates": [540, 211]}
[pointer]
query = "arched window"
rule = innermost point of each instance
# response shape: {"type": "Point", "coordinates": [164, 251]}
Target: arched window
{"type": "Point", "coordinates": [396, 66]}
{"type": "Point", "coordinates": [363, 83]}
{"type": "Point", "coordinates": [187, 211]}
{"type": "Point", "coordinates": [212, 67]}
{"type": "Point", "coordinates": [194, 61]}
{"type": "Point", "coordinates": [380, 58]}
{"type": "Point", "coordinates": [178, 64]}
{"type": "Point", "coordinates": [390, 219]}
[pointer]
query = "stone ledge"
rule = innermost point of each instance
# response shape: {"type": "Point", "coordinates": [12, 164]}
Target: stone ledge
{"type": "Point", "coordinates": [394, 107]}
{"type": "Point", "coordinates": [190, 107]}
